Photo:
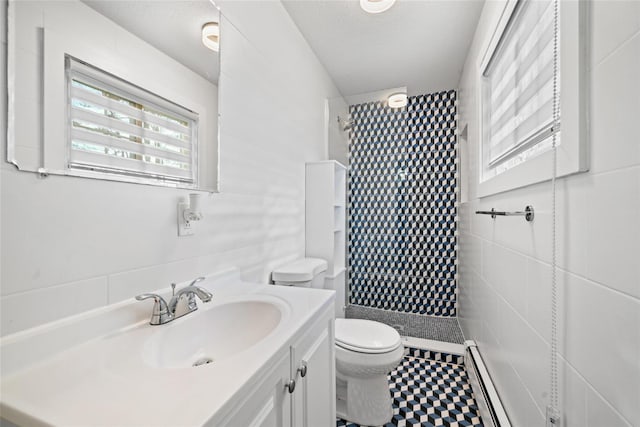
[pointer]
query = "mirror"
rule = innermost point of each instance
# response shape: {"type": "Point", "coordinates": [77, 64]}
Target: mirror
{"type": "Point", "coordinates": [144, 108]}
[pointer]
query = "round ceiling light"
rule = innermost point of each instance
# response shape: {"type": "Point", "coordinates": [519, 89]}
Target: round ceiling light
{"type": "Point", "coordinates": [376, 6]}
{"type": "Point", "coordinates": [397, 100]}
{"type": "Point", "coordinates": [211, 36]}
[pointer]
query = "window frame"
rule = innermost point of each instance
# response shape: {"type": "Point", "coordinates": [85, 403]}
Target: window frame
{"type": "Point", "coordinates": [572, 153]}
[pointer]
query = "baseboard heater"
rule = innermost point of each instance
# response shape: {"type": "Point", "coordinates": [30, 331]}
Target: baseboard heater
{"type": "Point", "coordinates": [491, 410]}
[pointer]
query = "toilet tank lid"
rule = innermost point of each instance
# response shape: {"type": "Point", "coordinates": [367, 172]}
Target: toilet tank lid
{"type": "Point", "coordinates": [301, 270]}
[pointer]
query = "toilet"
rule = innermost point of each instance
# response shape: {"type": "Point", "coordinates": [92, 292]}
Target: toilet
{"type": "Point", "coordinates": [303, 273]}
{"type": "Point", "coordinates": [366, 351]}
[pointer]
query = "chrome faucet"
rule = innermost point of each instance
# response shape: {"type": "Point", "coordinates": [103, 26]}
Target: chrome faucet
{"type": "Point", "coordinates": [164, 313]}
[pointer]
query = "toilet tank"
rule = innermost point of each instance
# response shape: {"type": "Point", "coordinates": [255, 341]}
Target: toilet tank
{"type": "Point", "coordinates": [305, 273]}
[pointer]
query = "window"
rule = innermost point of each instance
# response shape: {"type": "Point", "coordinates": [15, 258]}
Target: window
{"type": "Point", "coordinates": [117, 128]}
{"type": "Point", "coordinates": [519, 88]}
{"type": "Point", "coordinates": [516, 96]}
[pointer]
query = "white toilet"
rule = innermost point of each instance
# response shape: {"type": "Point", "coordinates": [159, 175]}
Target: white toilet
{"type": "Point", "coordinates": [366, 351]}
{"type": "Point", "coordinates": [303, 273]}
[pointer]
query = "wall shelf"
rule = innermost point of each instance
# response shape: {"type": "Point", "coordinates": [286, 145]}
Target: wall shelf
{"type": "Point", "coordinates": [325, 225]}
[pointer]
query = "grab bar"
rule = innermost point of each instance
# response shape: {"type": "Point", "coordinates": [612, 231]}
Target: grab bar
{"type": "Point", "coordinates": [527, 213]}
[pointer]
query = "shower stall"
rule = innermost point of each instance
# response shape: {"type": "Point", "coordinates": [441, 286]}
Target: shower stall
{"type": "Point", "coordinates": [402, 199]}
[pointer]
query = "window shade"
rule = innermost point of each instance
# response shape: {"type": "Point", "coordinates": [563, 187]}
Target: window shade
{"type": "Point", "coordinates": [116, 127]}
{"type": "Point", "coordinates": [519, 82]}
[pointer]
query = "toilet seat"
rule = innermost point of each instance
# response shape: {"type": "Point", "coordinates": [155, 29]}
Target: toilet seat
{"type": "Point", "coordinates": [366, 336]}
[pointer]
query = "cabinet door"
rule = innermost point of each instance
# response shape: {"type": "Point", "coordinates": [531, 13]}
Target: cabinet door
{"type": "Point", "coordinates": [314, 402]}
{"type": "Point", "coordinates": [270, 404]}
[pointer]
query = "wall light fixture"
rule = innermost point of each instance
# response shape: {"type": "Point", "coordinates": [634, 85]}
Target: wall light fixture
{"type": "Point", "coordinates": [211, 36]}
{"type": "Point", "coordinates": [397, 100]}
{"type": "Point", "coordinates": [376, 6]}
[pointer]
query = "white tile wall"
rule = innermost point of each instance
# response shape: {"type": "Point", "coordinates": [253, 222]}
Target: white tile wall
{"type": "Point", "coordinates": [592, 312]}
{"type": "Point", "coordinates": [614, 82]}
{"type": "Point", "coordinates": [504, 269]}
{"type": "Point", "coordinates": [3, 19]}
{"type": "Point", "coordinates": [614, 22]}
{"type": "Point", "coordinates": [78, 244]}
{"type": "Point", "coordinates": [574, 399]}
{"type": "Point", "coordinates": [505, 263]}
{"type": "Point", "coordinates": [601, 413]}
{"type": "Point", "coordinates": [52, 303]}
{"type": "Point", "coordinates": [537, 296]}
{"type": "Point", "coordinates": [3, 76]}
{"type": "Point", "coordinates": [613, 246]}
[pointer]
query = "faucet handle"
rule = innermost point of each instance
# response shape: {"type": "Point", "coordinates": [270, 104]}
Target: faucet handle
{"type": "Point", "coordinates": [160, 314]}
{"type": "Point", "coordinates": [156, 297]}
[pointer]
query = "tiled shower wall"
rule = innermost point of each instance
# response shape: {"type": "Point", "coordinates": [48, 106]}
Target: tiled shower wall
{"type": "Point", "coordinates": [402, 205]}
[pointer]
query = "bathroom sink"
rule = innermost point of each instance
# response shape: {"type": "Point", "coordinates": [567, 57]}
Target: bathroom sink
{"type": "Point", "coordinates": [213, 334]}
{"type": "Point", "coordinates": [63, 373]}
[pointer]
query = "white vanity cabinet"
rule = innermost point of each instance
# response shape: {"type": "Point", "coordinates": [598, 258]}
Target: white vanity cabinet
{"type": "Point", "coordinates": [314, 356]}
{"type": "Point", "coordinates": [275, 402]}
{"type": "Point", "coordinates": [261, 339]}
{"type": "Point", "coordinates": [269, 405]}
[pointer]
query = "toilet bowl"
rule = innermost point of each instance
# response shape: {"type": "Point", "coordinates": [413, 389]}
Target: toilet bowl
{"type": "Point", "coordinates": [366, 351]}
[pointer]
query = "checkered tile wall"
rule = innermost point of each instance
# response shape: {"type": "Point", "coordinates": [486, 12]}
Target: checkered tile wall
{"type": "Point", "coordinates": [403, 205]}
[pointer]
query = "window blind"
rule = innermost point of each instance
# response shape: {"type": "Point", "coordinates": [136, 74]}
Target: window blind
{"type": "Point", "coordinates": [519, 84]}
{"type": "Point", "coordinates": [116, 127]}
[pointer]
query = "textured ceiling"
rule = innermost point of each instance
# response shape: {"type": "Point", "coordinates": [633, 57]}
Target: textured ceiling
{"type": "Point", "coordinates": [172, 26]}
{"type": "Point", "coordinates": [421, 44]}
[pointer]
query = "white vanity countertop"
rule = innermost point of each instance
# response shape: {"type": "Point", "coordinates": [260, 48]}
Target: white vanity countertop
{"type": "Point", "coordinates": [62, 374]}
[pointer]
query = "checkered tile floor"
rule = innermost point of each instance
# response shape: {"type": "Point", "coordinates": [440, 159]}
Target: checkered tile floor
{"type": "Point", "coordinates": [428, 393]}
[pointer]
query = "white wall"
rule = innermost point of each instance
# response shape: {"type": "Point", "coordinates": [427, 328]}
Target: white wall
{"type": "Point", "coordinates": [504, 285]}
{"type": "Point", "coordinates": [337, 139]}
{"type": "Point", "coordinates": [71, 244]}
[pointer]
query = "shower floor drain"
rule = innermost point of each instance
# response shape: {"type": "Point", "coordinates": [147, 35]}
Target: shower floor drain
{"type": "Point", "coordinates": [203, 361]}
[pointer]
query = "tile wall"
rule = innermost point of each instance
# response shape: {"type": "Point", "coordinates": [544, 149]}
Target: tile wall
{"type": "Point", "coordinates": [505, 274]}
{"type": "Point", "coordinates": [403, 205]}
